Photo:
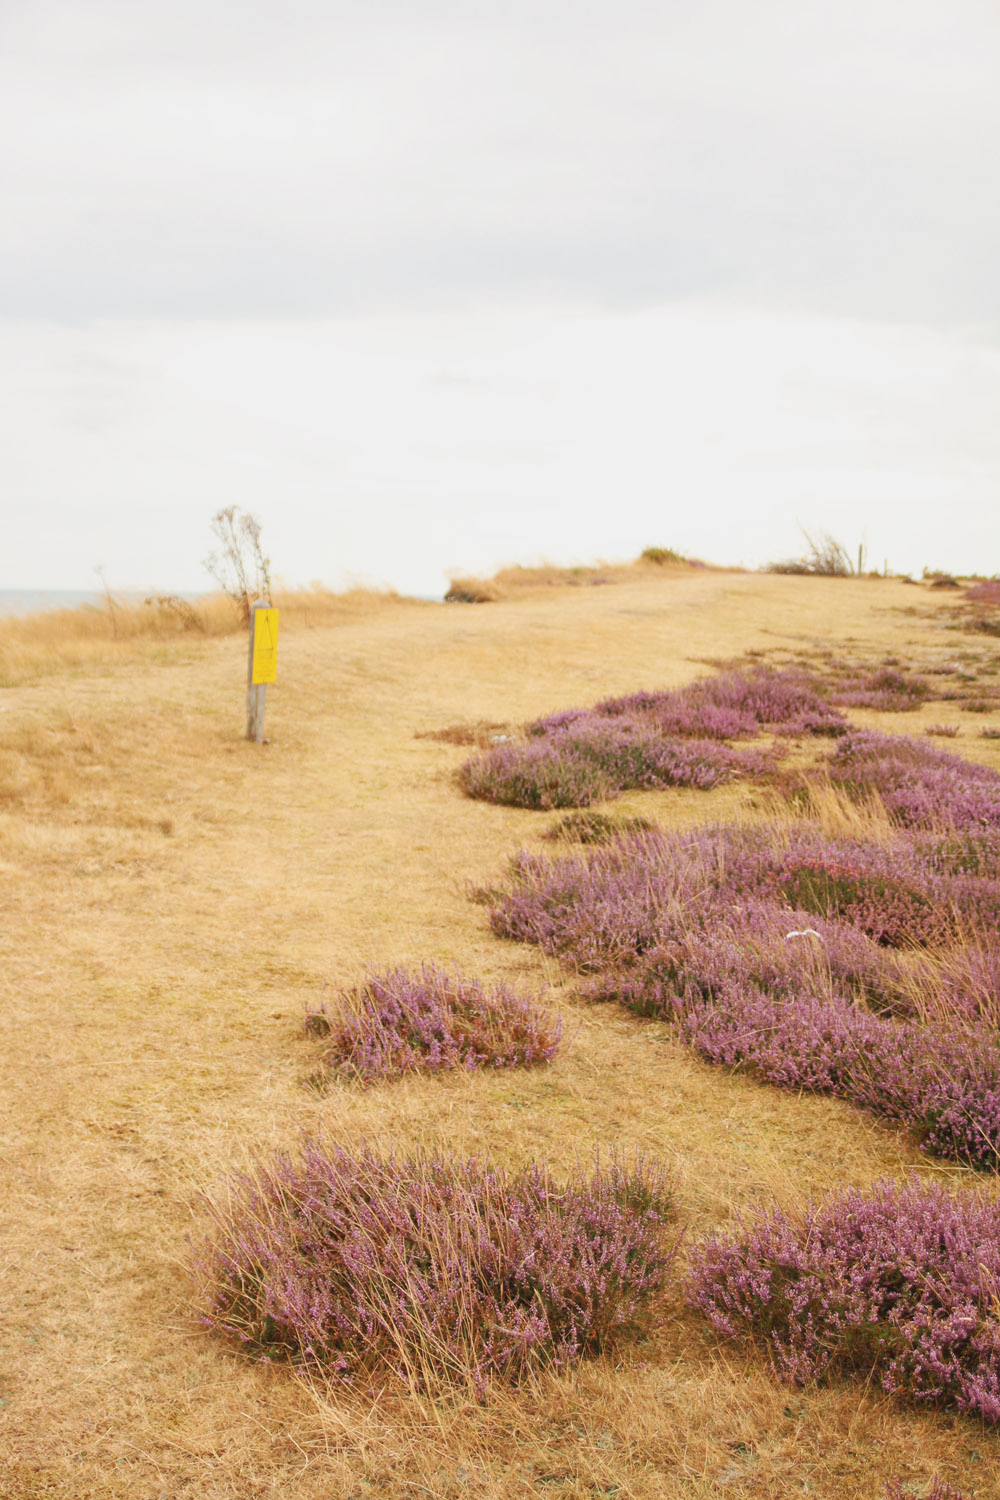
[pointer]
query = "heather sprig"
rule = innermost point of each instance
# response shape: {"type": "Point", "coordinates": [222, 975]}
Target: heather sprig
{"type": "Point", "coordinates": [899, 1285]}
{"type": "Point", "coordinates": [429, 1020]}
{"type": "Point", "coordinates": [432, 1266]}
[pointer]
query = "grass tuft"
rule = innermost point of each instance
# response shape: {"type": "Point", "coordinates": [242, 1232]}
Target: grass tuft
{"type": "Point", "coordinates": [472, 591]}
{"type": "Point", "coordinates": [589, 827]}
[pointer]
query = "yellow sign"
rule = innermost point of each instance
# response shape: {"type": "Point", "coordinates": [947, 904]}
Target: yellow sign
{"type": "Point", "coordinates": [265, 646]}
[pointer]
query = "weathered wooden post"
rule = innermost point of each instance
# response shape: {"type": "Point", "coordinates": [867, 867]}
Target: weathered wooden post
{"type": "Point", "coordinates": [262, 665]}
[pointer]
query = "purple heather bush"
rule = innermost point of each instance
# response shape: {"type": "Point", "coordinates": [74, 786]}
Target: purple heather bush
{"type": "Point", "coordinates": [899, 1286]}
{"type": "Point", "coordinates": [433, 1267]}
{"type": "Point", "coordinates": [776, 951]}
{"type": "Point", "coordinates": [650, 740]}
{"type": "Point", "coordinates": [611, 906]}
{"type": "Point", "coordinates": [941, 1083]}
{"type": "Point", "coordinates": [921, 785]}
{"type": "Point", "coordinates": [887, 690]}
{"type": "Point", "coordinates": [732, 705]}
{"type": "Point", "coordinates": [592, 759]}
{"type": "Point", "coordinates": [544, 775]}
{"type": "Point", "coordinates": [405, 1022]}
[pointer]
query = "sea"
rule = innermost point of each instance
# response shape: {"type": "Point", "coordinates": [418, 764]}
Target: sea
{"type": "Point", "coordinates": [34, 601]}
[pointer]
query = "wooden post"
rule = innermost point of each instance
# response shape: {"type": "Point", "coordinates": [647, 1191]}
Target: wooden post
{"type": "Point", "coordinates": [256, 691]}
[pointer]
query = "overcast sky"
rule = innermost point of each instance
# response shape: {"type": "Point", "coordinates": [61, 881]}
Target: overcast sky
{"type": "Point", "coordinates": [432, 285]}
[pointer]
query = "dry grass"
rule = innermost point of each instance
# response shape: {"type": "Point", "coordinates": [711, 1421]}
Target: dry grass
{"type": "Point", "coordinates": [510, 582]}
{"type": "Point", "coordinates": [175, 897]}
{"type": "Point", "coordinates": [93, 637]}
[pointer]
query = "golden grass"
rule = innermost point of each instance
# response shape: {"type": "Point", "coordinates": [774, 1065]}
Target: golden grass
{"type": "Point", "coordinates": [175, 897]}
{"type": "Point", "coordinates": [509, 582]}
{"type": "Point", "coordinates": [98, 635]}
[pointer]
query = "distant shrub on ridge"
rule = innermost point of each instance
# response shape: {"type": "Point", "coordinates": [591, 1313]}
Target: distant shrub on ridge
{"type": "Point", "coordinates": [472, 591]}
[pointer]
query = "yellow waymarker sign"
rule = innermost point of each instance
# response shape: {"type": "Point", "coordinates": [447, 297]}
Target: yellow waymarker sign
{"type": "Point", "coordinates": [265, 646]}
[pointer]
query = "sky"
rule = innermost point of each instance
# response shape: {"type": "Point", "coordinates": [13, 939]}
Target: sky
{"type": "Point", "coordinates": [435, 287]}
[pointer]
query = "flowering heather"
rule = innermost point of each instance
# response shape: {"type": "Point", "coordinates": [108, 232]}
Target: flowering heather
{"type": "Point", "coordinates": [943, 1084]}
{"type": "Point", "coordinates": [432, 1266]}
{"type": "Point", "coordinates": [403, 1022]}
{"type": "Point", "coordinates": [887, 689]}
{"type": "Point", "coordinates": [899, 1286]}
{"type": "Point", "coordinates": [921, 785]}
{"type": "Point", "coordinates": [732, 705]}
{"type": "Point", "coordinates": [774, 951]}
{"type": "Point", "coordinates": [973, 853]}
{"type": "Point", "coordinates": [611, 906]}
{"type": "Point", "coordinates": [545, 775]}
{"type": "Point", "coordinates": [651, 740]}
{"type": "Point", "coordinates": [593, 758]}
{"type": "Point", "coordinates": [962, 984]}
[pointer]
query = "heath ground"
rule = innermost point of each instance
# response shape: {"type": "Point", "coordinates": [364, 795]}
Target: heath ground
{"type": "Point", "coordinates": [176, 899]}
